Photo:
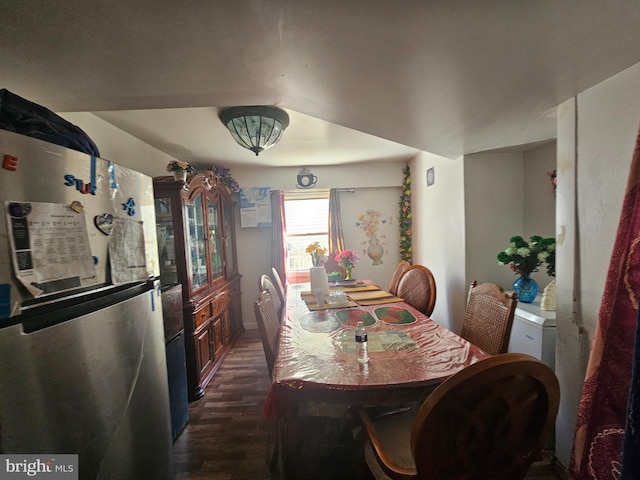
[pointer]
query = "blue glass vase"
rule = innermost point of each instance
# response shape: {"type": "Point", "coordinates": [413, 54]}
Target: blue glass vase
{"type": "Point", "coordinates": [526, 288]}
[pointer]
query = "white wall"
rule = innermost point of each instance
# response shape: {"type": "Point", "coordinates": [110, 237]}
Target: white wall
{"type": "Point", "coordinates": [596, 138]}
{"type": "Point", "coordinates": [438, 232]}
{"type": "Point", "coordinates": [386, 201]}
{"type": "Point", "coordinates": [120, 147]}
{"type": "Point", "coordinates": [539, 200]}
{"type": "Point", "coordinates": [506, 194]}
{"type": "Point", "coordinates": [494, 207]}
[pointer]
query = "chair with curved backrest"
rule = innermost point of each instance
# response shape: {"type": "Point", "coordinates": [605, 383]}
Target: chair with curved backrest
{"type": "Point", "coordinates": [395, 277]}
{"type": "Point", "coordinates": [278, 283]}
{"type": "Point", "coordinates": [268, 326]}
{"type": "Point", "coordinates": [418, 288]}
{"type": "Point", "coordinates": [489, 317]}
{"type": "Point", "coordinates": [267, 284]}
{"type": "Point", "coordinates": [488, 421]}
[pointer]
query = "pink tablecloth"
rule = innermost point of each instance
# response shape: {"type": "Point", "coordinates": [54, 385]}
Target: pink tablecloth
{"type": "Point", "coordinates": [317, 360]}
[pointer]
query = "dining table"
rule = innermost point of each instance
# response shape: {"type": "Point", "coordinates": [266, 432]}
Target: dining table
{"type": "Point", "coordinates": [317, 378]}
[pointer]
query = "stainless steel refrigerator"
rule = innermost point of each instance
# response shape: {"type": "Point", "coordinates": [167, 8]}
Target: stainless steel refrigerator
{"type": "Point", "coordinates": [82, 355]}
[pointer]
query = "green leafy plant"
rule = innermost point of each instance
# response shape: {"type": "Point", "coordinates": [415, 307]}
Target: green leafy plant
{"type": "Point", "coordinates": [406, 250]}
{"type": "Point", "coordinates": [180, 166]}
{"type": "Point", "coordinates": [525, 257]}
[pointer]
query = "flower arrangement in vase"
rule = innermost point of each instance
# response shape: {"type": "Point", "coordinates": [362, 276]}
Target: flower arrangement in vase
{"type": "Point", "coordinates": [524, 258]}
{"type": "Point", "coordinates": [347, 259]}
{"type": "Point", "coordinates": [318, 254]}
{"type": "Point", "coordinates": [180, 169]}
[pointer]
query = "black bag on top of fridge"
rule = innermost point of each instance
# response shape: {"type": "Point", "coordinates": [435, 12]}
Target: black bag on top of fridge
{"type": "Point", "coordinates": [27, 118]}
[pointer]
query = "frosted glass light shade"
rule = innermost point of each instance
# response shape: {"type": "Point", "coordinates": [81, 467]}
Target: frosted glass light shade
{"type": "Point", "coordinates": [255, 127]}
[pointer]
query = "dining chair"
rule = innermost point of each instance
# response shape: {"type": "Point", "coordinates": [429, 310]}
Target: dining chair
{"type": "Point", "coordinates": [417, 287]}
{"type": "Point", "coordinates": [395, 277]}
{"type": "Point", "coordinates": [267, 284]}
{"type": "Point", "coordinates": [268, 326]}
{"type": "Point", "coordinates": [488, 317]}
{"type": "Point", "coordinates": [278, 283]}
{"type": "Point", "coordinates": [489, 421]}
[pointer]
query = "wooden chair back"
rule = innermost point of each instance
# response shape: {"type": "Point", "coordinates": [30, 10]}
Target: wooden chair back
{"type": "Point", "coordinates": [267, 284]}
{"type": "Point", "coordinates": [489, 421]}
{"type": "Point", "coordinates": [268, 326]}
{"type": "Point", "coordinates": [278, 283]}
{"type": "Point", "coordinates": [417, 287]}
{"type": "Point", "coordinates": [395, 277]}
{"type": "Point", "coordinates": [489, 317]}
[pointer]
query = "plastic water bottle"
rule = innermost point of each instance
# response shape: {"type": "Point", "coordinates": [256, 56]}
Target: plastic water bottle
{"type": "Point", "coordinates": [362, 353]}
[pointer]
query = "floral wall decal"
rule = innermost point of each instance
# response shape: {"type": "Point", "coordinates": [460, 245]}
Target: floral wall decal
{"type": "Point", "coordinates": [370, 222]}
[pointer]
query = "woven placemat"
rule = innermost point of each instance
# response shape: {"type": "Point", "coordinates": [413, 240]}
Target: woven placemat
{"type": "Point", "coordinates": [368, 295]}
{"type": "Point", "coordinates": [380, 301]}
{"type": "Point", "coordinates": [360, 289]}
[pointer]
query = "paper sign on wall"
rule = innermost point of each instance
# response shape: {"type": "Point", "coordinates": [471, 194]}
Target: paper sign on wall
{"type": "Point", "coordinates": [255, 207]}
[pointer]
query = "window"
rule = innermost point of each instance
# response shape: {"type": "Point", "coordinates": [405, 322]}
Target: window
{"type": "Point", "coordinates": [307, 221]}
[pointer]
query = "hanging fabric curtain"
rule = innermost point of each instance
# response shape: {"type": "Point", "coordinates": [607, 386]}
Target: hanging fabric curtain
{"type": "Point", "coordinates": [336, 237]}
{"type": "Point", "coordinates": [278, 227]}
{"type": "Point", "coordinates": [631, 449]}
{"type": "Point", "coordinates": [597, 447]}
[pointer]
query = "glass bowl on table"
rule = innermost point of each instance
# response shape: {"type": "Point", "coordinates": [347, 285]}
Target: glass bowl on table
{"type": "Point", "coordinates": [337, 298]}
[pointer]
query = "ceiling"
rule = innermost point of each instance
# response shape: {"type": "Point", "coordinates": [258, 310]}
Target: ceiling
{"type": "Point", "coordinates": [362, 80]}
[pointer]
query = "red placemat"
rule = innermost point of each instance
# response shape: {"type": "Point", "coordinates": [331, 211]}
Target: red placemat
{"type": "Point", "coordinates": [394, 315]}
{"type": "Point", "coordinates": [351, 317]}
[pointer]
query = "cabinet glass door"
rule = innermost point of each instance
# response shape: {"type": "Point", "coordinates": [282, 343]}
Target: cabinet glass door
{"type": "Point", "coordinates": [229, 253]}
{"type": "Point", "coordinates": [166, 244]}
{"type": "Point", "coordinates": [215, 245]}
{"type": "Point", "coordinates": [197, 243]}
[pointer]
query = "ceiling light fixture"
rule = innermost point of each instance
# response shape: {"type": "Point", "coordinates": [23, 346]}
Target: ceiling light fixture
{"type": "Point", "coordinates": [255, 127]}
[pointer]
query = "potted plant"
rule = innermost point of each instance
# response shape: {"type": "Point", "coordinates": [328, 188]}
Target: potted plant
{"type": "Point", "coordinates": [180, 169]}
{"type": "Point", "coordinates": [524, 258]}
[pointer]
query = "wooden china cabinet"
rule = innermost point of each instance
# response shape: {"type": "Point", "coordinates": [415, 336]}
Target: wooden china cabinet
{"type": "Point", "coordinates": [197, 248]}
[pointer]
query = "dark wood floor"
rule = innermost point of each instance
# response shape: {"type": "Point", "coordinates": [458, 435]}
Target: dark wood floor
{"type": "Point", "coordinates": [228, 438]}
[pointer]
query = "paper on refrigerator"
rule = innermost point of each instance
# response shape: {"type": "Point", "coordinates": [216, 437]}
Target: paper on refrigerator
{"type": "Point", "coordinates": [49, 247]}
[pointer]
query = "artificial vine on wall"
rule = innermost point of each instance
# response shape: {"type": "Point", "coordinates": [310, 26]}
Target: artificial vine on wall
{"type": "Point", "coordinates": [406, 252]}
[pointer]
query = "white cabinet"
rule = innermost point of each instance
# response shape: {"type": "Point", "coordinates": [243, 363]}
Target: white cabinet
{"type": "Point", "coordinates": [534, 332]}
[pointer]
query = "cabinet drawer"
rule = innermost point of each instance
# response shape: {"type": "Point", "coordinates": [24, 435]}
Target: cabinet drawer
{"type": "Point", "coordinates": [219, 304]}
{"type": "Point", "coordinates": [202, 315]}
